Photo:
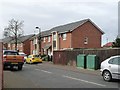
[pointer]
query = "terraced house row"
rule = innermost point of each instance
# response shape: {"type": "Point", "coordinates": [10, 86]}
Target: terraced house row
{"type": "Point", "coordinates": [80, 34]}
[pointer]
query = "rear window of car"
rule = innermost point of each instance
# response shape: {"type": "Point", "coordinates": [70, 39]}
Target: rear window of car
{"type": "Point", "coordinates": [36, 56]}
{"type": "Point", "coordinates": [115, 61]}
{"type": "Point", "coordinates": [10, 53]}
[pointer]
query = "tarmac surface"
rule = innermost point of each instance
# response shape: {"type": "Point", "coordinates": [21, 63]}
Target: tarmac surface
{"type": "Point", "coordinates": [73, 68]}
{"type": "Point", "coordinates": [49, 75]}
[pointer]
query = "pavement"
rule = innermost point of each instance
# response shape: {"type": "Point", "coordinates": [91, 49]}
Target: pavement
{"type": "Point", "coordinates": [72, 68]}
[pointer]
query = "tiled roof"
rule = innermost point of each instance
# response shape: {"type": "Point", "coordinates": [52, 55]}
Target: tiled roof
{"type": "Point", "coordinates": [7, 40]}
{"type": "Point", "coordinates": [109, 44]}
{"type": "Point", "coordinates": [68, 27]}
{"type": "Point", "coordinates": [20, 39]}
{"type": "Point", "coordinates": [24, 38]}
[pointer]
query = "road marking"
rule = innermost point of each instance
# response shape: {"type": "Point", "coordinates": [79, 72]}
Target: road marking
{"type": "Point", "coordinates": [84, 81]}
{"type": "Point", "coordinates": [46, 71]}
{"type": "Point", "coordinates": [38, 69]}
{"type": "Point", "coordinates": [43, 71]}
{"type": "Point", "coordinates": [39, 64]}
{"type": "Point", "coordinates": [24, 66]}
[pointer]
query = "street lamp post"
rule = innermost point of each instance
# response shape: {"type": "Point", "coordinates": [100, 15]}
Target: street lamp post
{"type": "Point", "coordinates": [39, 38]}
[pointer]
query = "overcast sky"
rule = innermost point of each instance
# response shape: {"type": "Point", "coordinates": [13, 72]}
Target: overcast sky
{"type": "Point", "coordinates": [50, 13]}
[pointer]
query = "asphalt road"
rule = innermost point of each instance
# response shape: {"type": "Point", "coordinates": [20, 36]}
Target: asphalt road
{"type": "Point", "coordinates": [52, 76]}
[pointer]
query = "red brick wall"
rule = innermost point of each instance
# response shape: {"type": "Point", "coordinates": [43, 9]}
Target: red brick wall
{"type": "Point", "coordinates": [46, 41]}
{"type": "Point", "coordinates": [65, 43]}
{"type": "Point", "coordinates": [12, 46]}
{"type": "Point", "coordinates": [43, 44]}
{"type": "Point", "coordinates": [31, 47]}
{"type": "Point", "coordinates": [26, 47]}
{"type": "Point", "coordinates": [20, 46]}
{"type": "Point", "coordinates": [86, 30]}
{"type": "Point", "coordinates": [1, 67]}
{"type": "Point", "coordinates": [5, 46]}
{"type": "Point", "coordinates": [76, 38]}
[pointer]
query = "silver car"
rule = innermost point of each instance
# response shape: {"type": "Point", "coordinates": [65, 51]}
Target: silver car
{"type": "Point", "coordinates": [110, 68]}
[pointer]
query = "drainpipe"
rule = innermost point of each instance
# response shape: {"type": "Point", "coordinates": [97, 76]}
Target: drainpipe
{"type": "Point", "coordinates": [70, 40]}
{"type": "Point", "coordinates": [52, 42]}
{"type": "Point", "coordinates": [57, 40]}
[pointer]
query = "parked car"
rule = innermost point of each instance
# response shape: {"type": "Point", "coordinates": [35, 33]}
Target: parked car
{"type": "Point", "coordinates": [12, 58]}
{"type": "Point", "coordinates": [24, 55]}
{"type": "Point", "coordinates": [33, 59]}
{"type": "Point", "coordinates": [110, 68]}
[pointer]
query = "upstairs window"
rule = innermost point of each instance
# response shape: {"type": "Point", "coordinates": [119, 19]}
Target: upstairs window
{"type": "Point", "coordinates": [54, 37]}
{"type": "Point", "coordinates": [86, 40]}
{"type": "Point", "coordinates": [64, 36]}
{"type": "Point", "coordinates": [35, 41]}
{"type": "Point", "coordinates": [44, 39]}
{"type": "Point", "coordinates": [21, 45]}
{"type": "Point", "coordinates": [49, 39]}
{"type": "Point", "coordinates": [9, 45]}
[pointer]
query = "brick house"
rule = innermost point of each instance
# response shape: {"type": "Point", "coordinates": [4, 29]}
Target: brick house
{"type": "Point", "coordinates": [80, 34]}
{"type": "Point", "coordinates": [108, 45]}
{"type": "Point", "coordinates": [6, 41]}
{"type": "Point", "coordinates": [23, 43]}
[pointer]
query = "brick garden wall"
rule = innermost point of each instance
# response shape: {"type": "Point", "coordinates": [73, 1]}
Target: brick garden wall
{"type": "Point", "coordinates": [1, 67]}
{"type": "Point", "coordinates": [69, 57]}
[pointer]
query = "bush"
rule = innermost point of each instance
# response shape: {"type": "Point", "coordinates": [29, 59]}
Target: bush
{"type": "Point", "coordinates": [44, 57]}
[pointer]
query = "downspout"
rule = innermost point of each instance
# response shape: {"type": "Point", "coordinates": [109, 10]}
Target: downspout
{"type": "Point", "coordinates": [71, 40]}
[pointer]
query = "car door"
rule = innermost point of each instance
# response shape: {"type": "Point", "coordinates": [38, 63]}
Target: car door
{"type": "Point", "coordinates": [114, 66]}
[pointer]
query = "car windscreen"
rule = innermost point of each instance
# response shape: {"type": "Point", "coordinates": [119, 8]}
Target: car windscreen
{"type": "Point", "coordinates": [10, 53]}
{"type": "Point", "coordinates": [23, 54]}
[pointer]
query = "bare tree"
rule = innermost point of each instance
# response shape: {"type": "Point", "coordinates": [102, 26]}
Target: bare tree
{"type": "Point", "coordinates": [13, 30]}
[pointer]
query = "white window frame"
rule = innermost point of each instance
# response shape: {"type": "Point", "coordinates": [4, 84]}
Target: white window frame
{"type": "Point", "coordinates": [48, 38]}
{"type": "Point", "coordinates": [9, 45]}
{"type": "Point", "coordinates": [64, 36]}
{"type": "Point", "coordinates": [54, 36]}
{"type": "Point", "coordinates": [44, 39]}
{"type": "Point", "coordinates": [86, 40]}
{"type": "Point", "coordinates": [34, 41]}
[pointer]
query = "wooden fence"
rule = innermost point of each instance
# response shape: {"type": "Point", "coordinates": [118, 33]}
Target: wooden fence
{"type": "Point", "coordinates": [1, 67]}
{"type": "Point", "coordinates": [69, 57]}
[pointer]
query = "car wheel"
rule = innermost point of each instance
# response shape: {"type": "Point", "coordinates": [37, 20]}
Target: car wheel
{"type": "Point", "coordinates": [107, 76]}
{"type": "Point", "coordinates": [30, 62]}
{"type": "Point", "coordinates": [11, 67]}
{"type": "Point", "coordinates": [19, 67]}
